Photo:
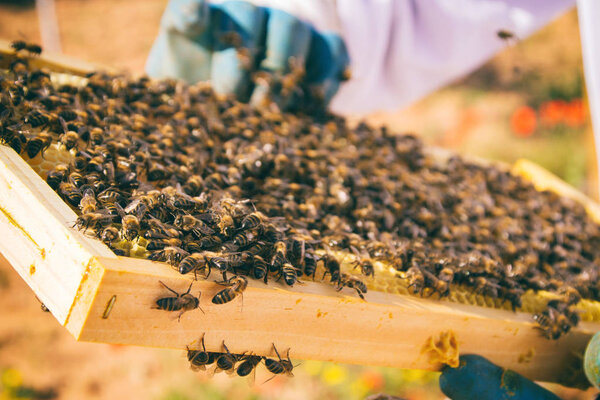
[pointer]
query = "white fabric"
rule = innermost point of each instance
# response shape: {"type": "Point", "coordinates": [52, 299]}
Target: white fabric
{"type": "Point", "coordinates": [401, 50]}
{"type": "Point", "coordinates": [589, 25]}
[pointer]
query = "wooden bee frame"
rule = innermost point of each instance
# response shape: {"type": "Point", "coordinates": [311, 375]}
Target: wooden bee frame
{"type": "Point", "coordinates": [99, 297]}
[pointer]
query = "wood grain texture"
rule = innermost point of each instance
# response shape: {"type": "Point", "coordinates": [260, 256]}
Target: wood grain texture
{"type": "Point", "coordinates": [317, 323]}
{"type": "Point", "coordinates": [38, 239]}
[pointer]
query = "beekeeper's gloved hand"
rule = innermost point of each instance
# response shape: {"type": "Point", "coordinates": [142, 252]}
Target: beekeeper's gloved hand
{"type": "Point", "coordinates": [477, 378]}
{"type": "Point", "coordinates": [195, 43]}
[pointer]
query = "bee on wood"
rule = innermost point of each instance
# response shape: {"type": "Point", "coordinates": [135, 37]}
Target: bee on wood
{"type": "Point", "coordinates": [184, 301]}
{"type": "Point", "coordinates": [279, 366]}
{"type": "Point", "coordinates": [57, 175]}
{"type": "Point", "coordinates": [93, 220]}
{"type": "Point", "coordinates": [71, 193]}
{"type": "Point", "coordinates": [310, 265]}
{"type": "Point", "coordinates": [226, 361]}
{"type": "Point", "coordinates": [279, 256]}
{"type": "Point", "coordinates": [38, 144]}
{"type": "Point", "coordinates": [189, 223]}
{"type": "Point", "coordinates": [248, 364]}
{"type": "Point", "coordinates": [237, 284]}
{"type": "Point", "coordinates": [416, 279]}
{"type": "Point", "coordinates": [364, 263]}
{"type": "Point", "coordinates": [260, 268]}
{"type": "Point", "coordinates": [297, 251]}
{"type": "Point", "coordinates": [18, 45]}
{"type": "Point", "coordinates": [172, 255]}
{"type": "Point", "coordinates": [289, 273]}
{"type": "Point", "coordinates": [194, 262]}
{"type": "Point", "coordinates": [332, 267]}
{"type": "Point", "coordinates": [199, 359]}
{"type": "Point", "coordinates": [352, 282]}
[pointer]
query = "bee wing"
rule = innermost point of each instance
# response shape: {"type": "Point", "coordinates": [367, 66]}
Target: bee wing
{"type": "Point", "coordinates": [132, 206]}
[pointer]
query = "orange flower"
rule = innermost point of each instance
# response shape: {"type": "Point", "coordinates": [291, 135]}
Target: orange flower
{"type": "Point", "coordinates": [373, 380]}
{"type": "Point", "coordinates": [575, 113]}
{"type": "Point", "coordinates": [552, 112]}
{"type": "Point", "coordinates": [523, 121]}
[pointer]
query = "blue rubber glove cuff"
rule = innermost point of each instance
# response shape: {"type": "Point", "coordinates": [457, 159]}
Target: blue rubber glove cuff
{"type": "Point", "coordinates": [190, 46]}
{"type": "Point", "coordinates": [591, 360]}
{"type": "Point", "coordinates": [477, 378]}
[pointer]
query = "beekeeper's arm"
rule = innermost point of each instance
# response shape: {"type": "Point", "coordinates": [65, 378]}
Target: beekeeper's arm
{"type": "Point", "coordinates": [398, 51]}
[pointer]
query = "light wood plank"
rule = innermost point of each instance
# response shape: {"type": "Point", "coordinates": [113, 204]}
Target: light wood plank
{"type": "Point", "coordinates": [38, 235]}
{"type": "Point", "coordinates": [317, 323]}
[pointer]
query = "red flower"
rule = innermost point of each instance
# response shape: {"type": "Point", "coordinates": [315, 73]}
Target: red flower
{"type": "Point", "coordinates": [552, 112]}
{"type": "Point", "coordinates": [523, 121]}
{"type": "Point", "coordinates": [575, 113]}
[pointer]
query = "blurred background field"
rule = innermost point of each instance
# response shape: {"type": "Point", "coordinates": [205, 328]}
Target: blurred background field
{"type": "Point", "coordinates": [527, 102]}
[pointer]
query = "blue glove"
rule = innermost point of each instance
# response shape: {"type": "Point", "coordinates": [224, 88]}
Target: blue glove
{"type": "Point", "coordinates": [591, 360]}
{"type": "Point", "coordinates": [195, 44]}
{"type": "Point", "coordinates": [477, 378]}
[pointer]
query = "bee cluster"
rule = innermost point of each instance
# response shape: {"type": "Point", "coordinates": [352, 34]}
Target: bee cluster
{"type": "Point", "coordinates": [240, 364]}
{"type": "Point", "coordinates": [207, 183]}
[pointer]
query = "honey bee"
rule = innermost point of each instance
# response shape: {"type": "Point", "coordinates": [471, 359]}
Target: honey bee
{"type": "Point", "coordinates": [38, 144]}
{"type": "Point", "coordinates": [69, 139]}
{"type": "Point", "coordinates": [109, 235]}
{"type": "Point", "coordinates": [289, 274]}
{"type": "Point", "coordinates": [18, 45]}
{"type": "Point", "coordinates": [88, 201]}
{"type": "Point", "coordinates": [71, 193]}
{"type": "Point", "coordinates": [332, 267]}
{"type": "Point", "coordinates": [130, 227]}
{"type": "Point", "coordinates": [93, 220]}
{"type": "Point", "coordinates": [279, 366]}
{"type": "Point", "coordinates": [310, 265]}
{"type": "Point", "coordinates": [364, 263]}
{"type": "Point", "coordinates": [259, 268]}
{"type": "Point", "coordinates": [161, 243]}
{"type": "Point", "coordinates": [279, 256]}
{"type": "Point", "coordinates": [244, 239]}
{"type": "Point", "coordinates": [193, 262]}
{"type": "Point", "coordinates": [96, 136]}
{"type": "Point", "coordinates": [416, 279]}
{"type": "Point", "coordinates": [199, 359]}
{"type": "Point", "coordinates": [248, 364]}
{"type": "Point", "coordinates": [352, 282]}
{"type": "Point", "coordinates": [237, 284]}
{"type": "Point", "coordinates": [226, 361]}
{"type": "Point", "coordinates": [253, 220]}
{"type": "Point", "coordinates": [226, 224]}
{"type": "Point", "coordinates": [172, 255]}
{"type": "Point", "coordinates": [36, 118]}
{"type": "Point", "coordinates": [189, 223]}
{"type": "Point", "coordinates": [184, 301]}
{"type": "Point", "coordinates": [505, 34]}
{"type": "Point", "coordinates": [57, 175]}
